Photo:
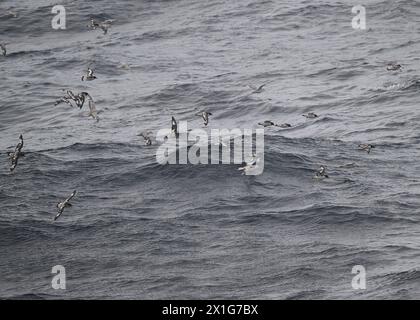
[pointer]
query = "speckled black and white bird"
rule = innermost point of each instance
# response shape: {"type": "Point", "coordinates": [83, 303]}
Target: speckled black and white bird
{"type": "Point", "coordinates": [266, 123]}
{"type": "Point", "coordinates": [205, 115]}
{"type": "Point", "coordinates": [3, 49]}
{"type": "Point", "coordinates": [394, 67]}
{"type": "Point", "coordinates": [269, 123]}
{"type": "Point", "coordinates": [14, 156]}
{"type": "Point", "coordinates": [65, 204]}
{"type": "Point", "coordinates": [81, 98]}
{"type": "Point", "coordinates": [67, 98]}
{"type": "Point", "coordinates": [321, 173]}
{"type": "Point", "coordinates": [310, 115]}
{"type": "Point", "coordinates": [89, 75]}
{"type": "Point", "coordinates": [104, 25]}
{"type": "Point", "coordinates": [146, 137]}
{"type": "Point", "coordinates": [366, 147]}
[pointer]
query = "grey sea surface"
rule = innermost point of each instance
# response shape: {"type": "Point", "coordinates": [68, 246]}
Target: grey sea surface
{"type": "Point", "coordinates": [141, 230]}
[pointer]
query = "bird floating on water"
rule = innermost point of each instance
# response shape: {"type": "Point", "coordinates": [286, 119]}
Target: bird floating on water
{"type": "Point", "coordinates": [89, 75]}
{"type": "Point", "coordinates": [394, 67]}
{"type": "Point", "coordinates": [366, 147]}
{"type": "Point", "coordinates": [321, 173]}
{"type": "Point", "coordinates": [269, 123]}
{"type": "Point", "coordinates": [65, 204]}
{"type": "Point", "coordinates": [104, 25]}
{"type": "Point", "coordinates": [310, 115]}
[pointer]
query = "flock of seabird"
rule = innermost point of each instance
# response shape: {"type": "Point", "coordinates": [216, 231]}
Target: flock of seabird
{"type": "Point", "coordinates": [78, 100]}
{"type": "Point", "coordinates": [321, 173]}
{"type": "Point", "coordinates": [74, 100]}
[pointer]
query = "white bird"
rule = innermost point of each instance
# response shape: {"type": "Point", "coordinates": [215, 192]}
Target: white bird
{"type": "Point", "coordinates": [81, 98]}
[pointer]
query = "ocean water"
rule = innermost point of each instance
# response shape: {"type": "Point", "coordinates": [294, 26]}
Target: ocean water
{"type": "Point", "coordinates": [141, 230]}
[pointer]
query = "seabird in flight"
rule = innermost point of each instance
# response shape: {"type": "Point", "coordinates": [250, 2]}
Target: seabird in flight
{"type": "Point", "coordinates": [81, 98]}
{"type": "Point", "coordinates": [249, 165]}
{"type": "Point", "coordinates": [174, 127]}
{"type": "Point", "coordinates": [205, 115]}
{"type": "Point", "coordinates": [66, 203]}
{"type": "Point", "coordinates": [14, 156]}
